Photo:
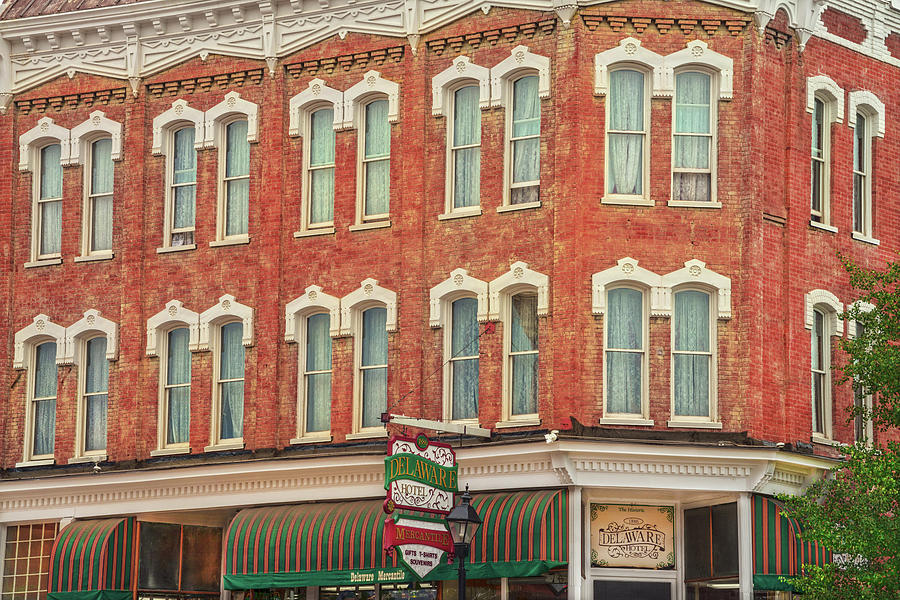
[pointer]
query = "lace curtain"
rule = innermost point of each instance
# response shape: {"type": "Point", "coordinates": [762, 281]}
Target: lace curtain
{"type": "Point", "coordinates": [101, 195]}
{"type": "Point", "coordinates": [464, 344]}
{"type": "Point", "coordinates": [526, 136]}
{"type": "Point", "coordinates": [374, 366]}
{"type": "Point", "coordinates": [692, 353]}
{"type": "Point", "coordinates": [692, 137]}
{"type": "Point", "coordinates": [523, 346]}
{"type": "Point", "coordinates": [96, 387]}
{"type": "Point", "coordinates": [321, 166]}
{"type": "Point", "coordinates": [466, 147]}
{"type": "Point", "coordinates": [45, 379]}
{"type": "Point", "coordinates": [377, 158]}
{"type": "Point", "coordinates": [184, 180]}
{"type": "Point", "coordinates": [624, 332]}
{"type": "Point", "coordinates": [178, 386]}
{"type": "Point", "coordinates": [231, 377]}
{"type": "Point", "coordinates": [318, 372]}
{"type": "Point", "coordinates": [51, 200]}
{"type": "Point", "coordinates": [626, 150]}
{"type": "Point", "coordinates": [237, 175]}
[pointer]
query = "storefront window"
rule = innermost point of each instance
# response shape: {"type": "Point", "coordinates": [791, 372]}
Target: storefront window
{"type": "Point", "coordinates": [352, 592]}
{"type": "Point", "coordinates": [721, 589]}
{"type": "Point", "coordinates": [711, 553]}
{"type": "Point", "coordinates": [772, 595]}
{"type": "Point", "coordinates": [408, 591]}
{"type": "Point", "coordinates": [275, 594]}
{"type": "Point", "coordinates": [476, 589]}
{"type": "Point", "coordinates": [643, 590]}
{"type": "Point", "coordinates": [197, 552]}
{"type": "Point", "coordinates": [535, 588]}
{"type": "Point", "coordinates": [27, 561]}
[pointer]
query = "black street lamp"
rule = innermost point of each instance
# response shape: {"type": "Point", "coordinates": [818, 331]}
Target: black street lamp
{"type": "Point", "coordinates": [463, 521]}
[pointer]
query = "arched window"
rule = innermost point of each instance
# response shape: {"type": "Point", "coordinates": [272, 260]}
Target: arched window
{"type": "Point", "coordinates": [825, 101]}
{"type": "Point", "coordinates": [694, 140]}
{"type": "Point", "coordinates": [627, 135]}
{"type": "Point", "coordinates": [822, 310]}
{"type": "Point", "coordinates": [867, 119]}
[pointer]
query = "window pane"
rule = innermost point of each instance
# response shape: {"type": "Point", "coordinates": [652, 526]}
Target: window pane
{"type": "Point", "coordinates": [321, 137]}
{"type": "Point", "coordinates": [237, 207]}
{"type": "Point", "coordinates": [232, 353]}
{"type": "Point", "coordinates": [374, 396]}
{"type": "Point", "coordinates": [95, 422]}
{"type": "Point", "coordinates": [635, 590]}
{"type": "Point", "coordinates": [51, 172]}
{"type": "Point", "coordinates": [623, 382]}
{"type": "Point", "coordinates": [201, 558]}
{"type": "Point", "coordinates": [179, 416]}
{"type": "Point", "coordinates": [237, 150]}
{"type": "Point", "coordinates": [232, 424]}
{"type": "Point", "coordinates": [467, 177]}
{"type": "Point", "coordinates": [817, 334]}
{"type": "Point", "coordinates": [378, 184]}
{"type": "Point", "coordinates": [697, 563]}
{"type": "Point", "coordinates": [464, 320]}
{"type": "Point", "coordinates": [859, 144]}
{"type": "Point", "coordinates": [51, 227]}
{"type": "Point", "coordinates": [464, 373]}
{"type": "Point", "coordinates": [692, 321]}
{"type": "Point", "coordinates": [160, 544]}
{"type": "Point", "coordinates": [625, 162]}
{"type": "Point", "coordinates": [374, 337]}
{"type": "Point", "coordinates": [724, 540]}
{"type": "Point", "coordinates": [466, 116]}
{"type": "Point", "coordinates": [178, 371]}
{"type": "Point", "coordinates": [818, 120]}
{"type": "Point", "coordinates": [692, 152]}
{"type": "Point", "coordinates": [378, 130]}
{"type": "Point", "coordinates": [691, 187]}
{"type": "Point", "coordinates": [96, 368]}
{"type": "Point", "coordinates": [465, 388]}
{"type": "Point", "coordinates": [321, 195]}
{"type": "Point", "coordinates": [691, 385]}
{"type": "Point", "coordinates": [178, 363]}
{"type": "Point", "coordinates": [624, 324]}
{"type": "Point", "coordinates": [626, 100]}
{"type": "Point", "coordinates": [45, 370]}
{"type": "Point", "coordinates": [44, 426]}
{"type": "Point", "coordinates": [101, 167]}
{"type": "Point", "coordinates": [318, 402]}
{"type": "Point", "coordinates": [318, 342]}
{"type": "Point", "coordinates": [526, 160]}
{"type": "Point", "coordinates": [524, 384]}
{"type": "Point", "coordinates": [184, 160]}
{"type": "Point", "coordinates": [101, 223]}
{"type": "Point", "coordinates": [526, 107]}
{"type": "Point", "coordinates": [524, 325]}
{"type": "Point", "coordinates": [184, 206]}
{"type": "Point", "coordinates": [692, 100]}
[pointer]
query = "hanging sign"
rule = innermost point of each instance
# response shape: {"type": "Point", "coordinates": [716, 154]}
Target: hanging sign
{"type": "Point", "coordinates": [624, 535]}
{"type": "Point", "coordinates": [420, 475]}
{"type": "Point", "coordinates": [420, 543]}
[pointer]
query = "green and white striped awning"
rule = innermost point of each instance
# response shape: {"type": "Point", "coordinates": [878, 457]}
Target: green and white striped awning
{"type": "Point", "coordinates": [92, 560]}
{"type": "Point", "coordinates": [524, 533]}
{"type": "Point", "coordinates": [779, 551]}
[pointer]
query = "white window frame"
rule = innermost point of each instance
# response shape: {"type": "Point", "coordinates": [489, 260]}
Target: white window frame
{"type": "Point", "coordinates": [316, 96]}
{"type": "Point", "coordinates": [461, 73]}
{"type": "Point", "coordinates": [313, 302]}
{"type": "Point", "coordinates": [830, 307]}
{"type": "Point", "coordinates": [164, 127]}
{"type": "Point", "coordinates": [823, 89]}
{"type": "Point", "coordinates": [81, 413]}
{"type": "Point", "coordinates": [712, 421]}
{"type": "Point", "coordinates": [643, 418]}
{"type": "Point", "coordinates": [368, 295]}
{"type": "Point", "coordinates": [173, 316]}
{"type": "Point", "coordinates": [871, 108]}
{"type": "Point", "coordinates": [644, 198]}
{"type": "Point", "coordinates": [441, 297]}
{"type": "Point", "coordinates": [226, 310]}
{"type": "Point", "coordinates": [713, 137]}
{"type": "Point", "coordinates": [865, 397]}
{"type": "Point", "coordinates": [26, 341]}
{"type": "Point", "coordinates": [519, 279]}
{"type": "Point", "coordinates": [521, 63]}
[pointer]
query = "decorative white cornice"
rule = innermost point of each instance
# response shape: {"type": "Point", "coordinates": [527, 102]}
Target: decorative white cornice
{"type": "Point", "coordinates": [829, 91]}
{"type": "Point", "coordinates": [368, 294]}
{"type": "Point", "coordinates": [830, 305]}
{"type": "Point", "coordinates": [627, 271]}
{"type": "Point", "coordinates": [95, 127]}
{"type": "Point", "coordinates": [372, 86]}
{"type": "Point", "coordinates": [226, 309]}
{"type": "Point", "coordinates": [461, 70]}
{"type": "Point", "coordinates": [173, 315]}
{"type": "Point", "coordinates": [520, 60]}
{"type": "Point", "coordinates": [519, 278]}
{"type": "Point", "coordinates": [179, 114]}
{"type": "Point", "coordinates": [44, 133]}
{"type": "Point", "coordinates": [316, 93]}
{"type": "Point", "coordinates": [460, 284]}
{"type": "Point", "coordinates": [871, 106]}
{"type": "Point", "coordinates": [312, 301]}
{"type": "Point", "coordinates": [232, 105]}
{"type": "Point", "coordinates": [90, 325]}
{"type": "Point", "coordinates": [42, 329]}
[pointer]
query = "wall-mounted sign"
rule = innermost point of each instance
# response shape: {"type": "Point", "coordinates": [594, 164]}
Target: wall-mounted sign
{"type": "Point", "coordinates": [419, 475]}
{"type": "Point", "coordinates": [419, 543]}
{"type": "Point", "coordinates": [624, 535]}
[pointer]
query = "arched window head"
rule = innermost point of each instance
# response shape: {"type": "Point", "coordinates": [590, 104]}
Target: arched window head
{"type": "Point", "coordinates": [96, 126]}
{"type": "Point", "coordinates": [165, 124]}
{"type": "Point", "coordinates": [92, 324]}
{"type": "Point", "coordinates": [373, 86]}
{"type": "Point", "coordinates": [627, 272]}
{"type": "Point", "coordinates": [629, 52]}
{"type": "Point", "coordinates": [461, 71]}
{"type": "Point", "coordinates": [317, 92]}
{"type": "Point", "coordinates": [172, 316]}
{"type": "Point", "coordinates": [44, 133]}
{"type": "Point", "coordinates": [313, 300]}
{"type": "Point", "coordinates": [232, 108]}
{"type": "Point", "coordinates": [225, 310]}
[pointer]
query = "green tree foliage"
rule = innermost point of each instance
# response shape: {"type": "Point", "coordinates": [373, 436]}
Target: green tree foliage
{"type": "Point", "coordinates": [855, 511]}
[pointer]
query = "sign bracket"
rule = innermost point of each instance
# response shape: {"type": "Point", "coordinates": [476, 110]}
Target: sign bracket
{"type": "Point", "coordinates": [461, 428]}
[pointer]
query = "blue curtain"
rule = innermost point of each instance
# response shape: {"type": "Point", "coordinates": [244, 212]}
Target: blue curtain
{"type": "Point", "coordinates": [51, 200]}
{"type": "Point", "coordinates": [692, 359]}
{"type": "Point", "coordinates": [524, 354]}
{"type": "Point", "coordinates": [692, 139]}
{"type": "Point", "coordinates": [96, 387]}
{"type": "Point", "coordinates": [184, 180]}
{"type": "Point", "coordinates": [318, 369]}
{"type": "Point", "coordinates": [625, 162]}
{"type": "Point", "coordinates": [377, 158]}
{"type": "Point", "coordinates": [178, 386]}
{"type": "Point", "coordinates": [466, 147]}
{"type": "Point", "coordinates": [45, 379]}
{"type": "Point", "coordinates": [237, 166]}
{"type": "Point", "coordinates": [374, 366]}
{"type": "Point", "coordinates": [624, 332]}
{"type": "Point", "coordinates": [464, 371]}
{"type": "Point", "coordinates": [231, 376]}
{"type": "Point", "coordinates": [101, 195]}
{"type": "Point", "coordinates": [321, 164]}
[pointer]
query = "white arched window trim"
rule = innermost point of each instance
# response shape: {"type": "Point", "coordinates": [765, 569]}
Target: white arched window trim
{"type": "Point", "coordinates": [165, 123]}
{"type": "Point", "coordinates": [826, 89]}
{"type": "Point", "coordinates": [368, 294]}
{"type": "Point", "coordinates": [40, 330]}
{"type": "Point", "coordinates": [313, 300]}
{"type": "Point", "coordinates": [225, 310]}
{"type": "Point", "coordinates": [865, 307]}
{"type": "Point", "coordinates": [233, 106]}
{"type": "Point", "coordinates": [520, 61]}
{"type": "Point", "coordinates": [518, 278]}
{"type": "Point", "coordinates": [90, 325]}
{"type": "Point", "coordinates": [373, 85]}
{"type": "Point", "coordinates": [44, 133]}
{"type": "Point", "coordinates": [698, 54]}
{"type": "Point", "coordinates": [830, 305]}
{"type": "Point", "coordinates": [628, 272]}
{"type": "Point", "coordinates": [696, 274]}
{"type": "Point", "coordinates": [871, 105]}
{"type": "Point", "coordinates": [172, 316]}
{"type": "Point", "coordinates": [629, 51]}
{"type": "Point", "coordinates": [459, 285]}
{"type": "Point", "coordinates": [97, 126]}
{"type": "Point", "coordinates": [461, 70]}
{"type": "Point", "coordinates": [317, 93]}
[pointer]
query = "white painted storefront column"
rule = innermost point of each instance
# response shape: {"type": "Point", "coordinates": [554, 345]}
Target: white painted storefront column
{"type": "Point", "coordinates": [745, 546]}
{"type": "Point", "coordinates": [576, 556]}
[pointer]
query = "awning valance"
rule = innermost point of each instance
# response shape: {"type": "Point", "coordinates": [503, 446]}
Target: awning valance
{"type": "Point", "coordinates": [92, 560]}
{"type": "Point", "coordinates": [778, 550]}
{"type": "Point", "coordinates": [524, 533]}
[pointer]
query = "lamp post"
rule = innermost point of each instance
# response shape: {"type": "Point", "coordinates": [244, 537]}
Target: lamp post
{"type": "Point", "coordinates": [463, 521]}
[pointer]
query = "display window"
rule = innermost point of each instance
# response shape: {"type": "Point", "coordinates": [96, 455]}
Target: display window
{"type": "Point", "coordinates": [195, 572]}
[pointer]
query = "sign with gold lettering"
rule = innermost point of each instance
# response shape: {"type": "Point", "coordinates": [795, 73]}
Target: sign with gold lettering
{"type": "Point", "coordinates": [420, 475]}
{"type": "Point", "coordinates": [419, 543]}
{"type": "Point", "coordinates": [625, 535]}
